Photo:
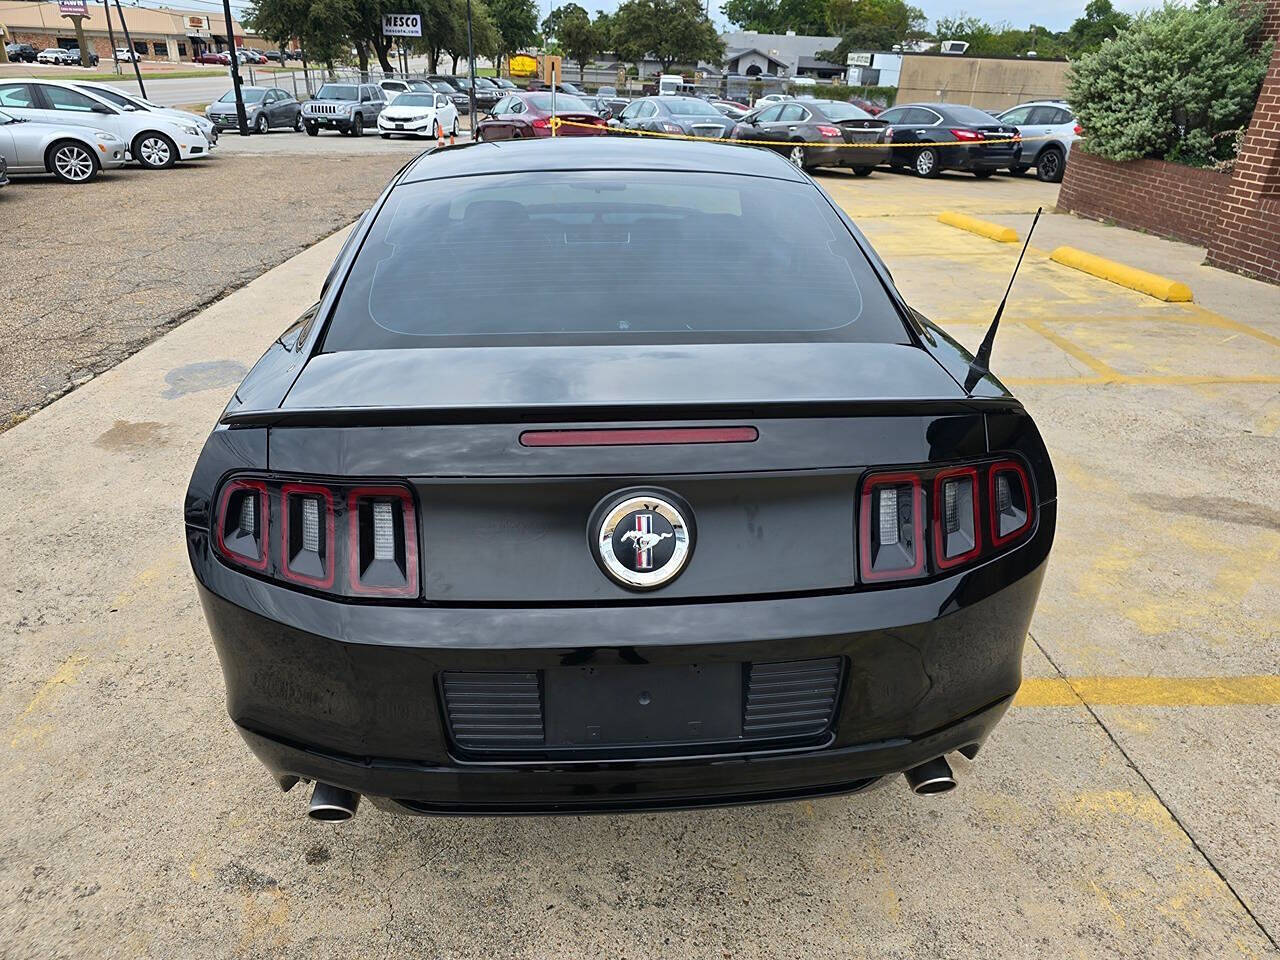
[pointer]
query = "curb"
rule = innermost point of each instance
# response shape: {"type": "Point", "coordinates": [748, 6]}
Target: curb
{"type": "Point", "coordinates": [1152, 284]}
{"type": "Point", "coordinates": [983, 228]}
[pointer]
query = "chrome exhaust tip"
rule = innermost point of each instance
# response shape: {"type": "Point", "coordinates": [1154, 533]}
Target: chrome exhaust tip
{"type": "Point", "coordinates": [332, 804]}
{"type": "Point", "coordinates": [933, 776]}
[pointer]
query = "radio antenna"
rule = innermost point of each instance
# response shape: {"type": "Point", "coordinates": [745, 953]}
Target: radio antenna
{"type": "Point", "coordinates": [981, 364]}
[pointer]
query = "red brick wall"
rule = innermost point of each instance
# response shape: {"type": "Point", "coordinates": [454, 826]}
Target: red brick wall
{"type": "Point", "coordinates": [1249, 233]}
{"type": "Point", "coordinates": [1167, 199]}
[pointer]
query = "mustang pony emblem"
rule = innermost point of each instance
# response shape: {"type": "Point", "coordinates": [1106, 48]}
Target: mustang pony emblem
{"type": "Point", "coordinates": [644, 541]}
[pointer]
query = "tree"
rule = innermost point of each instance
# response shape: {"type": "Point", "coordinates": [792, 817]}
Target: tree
{"type": "Point", "coordinates": [573, 30]}
{"type": "Point", "coordinates": [872, 25]}
{"type": "Point", "coordinates": [670, 31]}
{"type": "Point", "coordinates": [805, 17]}
{"type": "Point", "coordinates": [1003, 39]}
{"type": "Point", "coordinates": [1100, 22]}
{"type": "Point", "coordinates": [1176, 85]}
{"type": "Point", "coordinates": [516, 22]}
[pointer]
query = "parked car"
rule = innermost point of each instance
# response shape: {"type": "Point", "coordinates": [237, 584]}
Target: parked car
{"type": "Point", "coordinates": [256, 57]}
{"type": "Point", "coordinates": [1048, 128]}
{"type": "Point", "coordinates": [349, 108]}
{"type": "Point", "coordinates": [4, 171]}
{"type": "Point", "coordinates": [523, 115]}
{"type": "Point", "coordinates": [264, 108]}
{"type": "Point", "coordinates": [213, 58]}
{"type": "Point", "coordinates": [73, 154]}
{"type": "Point", "coordinates": [730, 108]}
{"type": "Point", "coordinates": [502, 83]}
{"type": "Point", "coordinates": [461, 99]}
{"type": "Point", "coordinates": [21, 52]}
{"type": "Point", "coordinates": [125, 55]}
{"type": "Point", "coordinates": [486, 96]}
{"type": "Point", "coordinates": [772, 98]}
{"type": "Point", "coordinates": [814, 567]}
{"type": "Point", "coordinates": [414, 114]}
{"type": "Point", "coordinates": [54, 56]}
{"type": "Point", "coordinates": [153, 140]}
{"type": "Point", "coordinates": [131, 103]}
{"type": "Point", "coordinates": [667, 114]}
{"type": "Point", "coordinates": [73, 56]}
{"type": "Point", "coordinates": [815, 133]}
{"type": "Point", "coordinates": [931, 137]}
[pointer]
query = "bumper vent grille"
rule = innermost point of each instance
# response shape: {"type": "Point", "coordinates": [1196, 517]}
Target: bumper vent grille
{"type": "Point", "coordinates": [494, 711]}
{"type": "Point", "coordinates": [795, 698]}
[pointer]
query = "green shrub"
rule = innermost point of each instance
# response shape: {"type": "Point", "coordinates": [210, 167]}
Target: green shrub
{"type": "Point", "coordinates": [1173, 86]}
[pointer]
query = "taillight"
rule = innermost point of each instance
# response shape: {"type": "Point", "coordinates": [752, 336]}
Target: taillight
{"type": "Point", "coordinates": [540, 122]}
{"type": "Point", "coordinates": [354, 540]}
{"type": "Point", "coordinates": [955, 517]}
{"type": "Point", "coordinates": [1079, 130]}
{"type": "Point", "coordinates": [828, 131]}
{"type": "Point", "coordinates": [967, 135]}
{"type": "Point", "coordinates": [383, 544]}
{"type": "Point", "coordinates": [892, 530]}
{"type": "Point", "coordinates": [1009, 500]}
{"type": "Point", "coordinates": [888, 135]}
{"type": "Point", "coordinates": [243, 523]}
{"type": "Point", "coordinates": [949, 507]}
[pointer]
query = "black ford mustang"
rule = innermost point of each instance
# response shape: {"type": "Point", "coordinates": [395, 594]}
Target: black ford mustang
{"type": "Point", "coordinates": [518, 543]}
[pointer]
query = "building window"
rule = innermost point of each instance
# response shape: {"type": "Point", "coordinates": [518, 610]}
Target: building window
{"type": "Point", "coordinates": [160, 49]}
{"type": "Point", "coordinates": [140, 48]}
{"type": "Point", "coordinates": [182, 49]}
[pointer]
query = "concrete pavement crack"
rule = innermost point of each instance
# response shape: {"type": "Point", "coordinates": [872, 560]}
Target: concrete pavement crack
{"type": "Point", "coordinates": [1156, 793]}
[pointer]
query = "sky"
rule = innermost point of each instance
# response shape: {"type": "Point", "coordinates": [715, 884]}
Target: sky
{"type": "Point", "coordinates": [1019, 13]}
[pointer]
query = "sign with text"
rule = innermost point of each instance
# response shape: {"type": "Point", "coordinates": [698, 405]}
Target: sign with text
{"type": "Point", "coordinates": [523, 65]}
{"type": "Point", "coordinates": [73, 8]}
{"type": "Point", "coordinates": [858, 60]}
{"type": "Point", "coordinates": [402, 24]}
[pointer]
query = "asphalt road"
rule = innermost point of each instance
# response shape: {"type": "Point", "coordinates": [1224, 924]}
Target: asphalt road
{"type": "Point", "coordinates": [1127, 806]}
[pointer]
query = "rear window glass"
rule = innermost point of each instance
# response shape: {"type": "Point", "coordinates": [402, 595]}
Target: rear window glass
{"type": "Point", "coordinates": [597, 258]}
{"type": "Point", "coordinates": [563, 101]}
{"type": "Point", "coordinates": [971, 116]}
{"type": "Point", "coordinates": [836, 110]}
{"type": "Point", "coordinates": [692, 108]}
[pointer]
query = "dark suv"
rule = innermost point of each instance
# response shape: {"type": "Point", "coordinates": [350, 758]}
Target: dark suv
{"type": "Point", "coordinates": [20, 52]}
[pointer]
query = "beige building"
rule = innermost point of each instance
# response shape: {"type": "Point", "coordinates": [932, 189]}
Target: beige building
{"type": "Point", "coordinates": [989, 83]}
{"type": "Point", "coordinates": [174, 35]}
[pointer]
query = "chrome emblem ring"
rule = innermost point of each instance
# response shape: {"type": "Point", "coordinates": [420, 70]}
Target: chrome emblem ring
{"type": "Point", "coordinates": [643, 540]}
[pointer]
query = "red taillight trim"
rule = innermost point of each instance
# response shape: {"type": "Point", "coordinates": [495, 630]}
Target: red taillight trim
{"type": "Point", "coordinates": [264, 524]}
{"type": "Point", "coordinates": [826, 131]}
{"type": "Point", "coordinates": [864, 526]}
{"type": "Point", "coordinates": [969, 136]}
{"type": "Point", "coordinates": [540, 122]}
{"type": "Point", "coordinates": [637, 436]}
{"type": "Point", "coordinates": [1008, 466]}
{"type": "Point", "coordinates": [1079, 130]}
{"type": "Point", "coordinates": [939, 541]}
{"type": "Point", "coordinates": [286, 490]}
{"type": "Point", "coordinates": [412, 587]}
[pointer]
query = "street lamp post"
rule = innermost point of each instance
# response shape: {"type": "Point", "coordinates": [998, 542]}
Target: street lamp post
{"type": "Point", "coordinates": [471, 59]}
{"type": "Point", "coordinates": [235, 69]}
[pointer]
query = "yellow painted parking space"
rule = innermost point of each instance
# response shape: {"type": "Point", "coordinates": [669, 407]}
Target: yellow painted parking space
{"type": "Point", "coordinates": [1254, 691]}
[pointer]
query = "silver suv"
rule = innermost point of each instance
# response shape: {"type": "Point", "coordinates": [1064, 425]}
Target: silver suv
{"type": "Point", "coordinates": [350, 108]}
{"type": "Point", "coordinates": [1053, 127]}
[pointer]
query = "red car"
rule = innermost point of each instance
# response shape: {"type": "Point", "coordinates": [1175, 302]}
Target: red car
{"type": "Point", "coordinates": [526, 114]}
{"type": "Point", "coordinates": [211, 57]}
{"type": "Point", "coordinates": [875, 109]}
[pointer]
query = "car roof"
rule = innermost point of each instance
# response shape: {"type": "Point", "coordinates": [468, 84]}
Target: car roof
{"type": "Point", "coordinates": [597, 153]}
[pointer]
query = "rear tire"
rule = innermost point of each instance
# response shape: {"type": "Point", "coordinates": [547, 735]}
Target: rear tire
{"type": "Point", "coordinates": [1018, 169]}
{"type": "Point", "coordinates": [796, 155]}
{"type": "Point", "coordinates": [1050, 165]}
{"type": "Point", "coordinates": [983, 174]}
{"type": "Point", "coordinates": [261, 125]}
{"type": "Point", "coordinates": [862, 171]}
{"type": "Point", "coordinates": [357, 126]}
{"type": "Point", "coordinates": [71, 162]}
{"type": "Point", "coordinates": [926, 163]}
{"type": "Point", "coordinates": [297, 123]}
{"type": "Point", "coordinates": [454, 132]}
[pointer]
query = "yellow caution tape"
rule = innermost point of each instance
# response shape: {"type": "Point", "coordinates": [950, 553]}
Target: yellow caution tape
{"type": "Point", "coordinates": [558, 122]}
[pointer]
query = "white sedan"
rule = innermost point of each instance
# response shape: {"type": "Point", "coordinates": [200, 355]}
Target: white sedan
{"type": "Point", "coordinates": [419, 115]}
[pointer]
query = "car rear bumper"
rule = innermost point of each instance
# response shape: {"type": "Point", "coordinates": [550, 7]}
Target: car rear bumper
{"type": "Point", "coordinates": [350, 694]}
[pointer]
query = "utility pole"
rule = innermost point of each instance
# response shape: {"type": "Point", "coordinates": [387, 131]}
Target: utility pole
{"type": "Point", "coordinates": [235, 68]}
{"type": "Point", "coordinates": [111, 38]}
{"type": "Point", "coordinates": [471, 60]}
{"type": "Point", "coordinates": [133, 54]}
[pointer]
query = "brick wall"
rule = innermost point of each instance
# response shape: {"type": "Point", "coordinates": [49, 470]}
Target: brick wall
{"type": "Point", "coordinates": [41, 41]}
{"type": "Point", "coordinates": [1167, 199]}
{"type": "Point", "coordinates": [1249, 233]}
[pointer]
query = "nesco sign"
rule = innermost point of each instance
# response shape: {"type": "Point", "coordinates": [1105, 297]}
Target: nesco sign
{"type": "Point", "coordinates": [402, 24]}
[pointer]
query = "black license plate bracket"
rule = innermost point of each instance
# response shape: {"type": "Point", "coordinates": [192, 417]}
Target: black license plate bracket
{"type": "Point", "coordinates": [638, 705]}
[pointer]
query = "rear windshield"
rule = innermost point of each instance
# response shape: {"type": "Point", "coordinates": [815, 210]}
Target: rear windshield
{"type": "Point", "coordinates": [692, 108]}
{"type": "Point", "coordinates": [837, 110]}
{"type": "Point", "coordinates": [596, 257]}
{"type": "Point", "coordinates": [564, 101]}
{"type": "Point", "coordinates": [971, 116]}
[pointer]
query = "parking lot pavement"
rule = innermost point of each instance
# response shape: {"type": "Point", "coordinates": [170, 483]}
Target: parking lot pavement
{"type": "Point", "coordinates": [88, 274]}
{"type": "Point", "coordinates": [1127, 806]}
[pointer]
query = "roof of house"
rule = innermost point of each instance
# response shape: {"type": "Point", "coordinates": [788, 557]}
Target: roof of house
{"type": "Point", "coordinates": [731, 55]}
{"type": "Point", "coordinates": [817, 63]}
{"type": "Point", "coordinates": [785, 47]}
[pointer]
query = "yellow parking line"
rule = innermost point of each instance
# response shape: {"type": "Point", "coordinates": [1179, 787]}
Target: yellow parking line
{"type": "Point", "coordinates": [1257, 690]}
{"type": "Point", "coordinates": [1066, 346]}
